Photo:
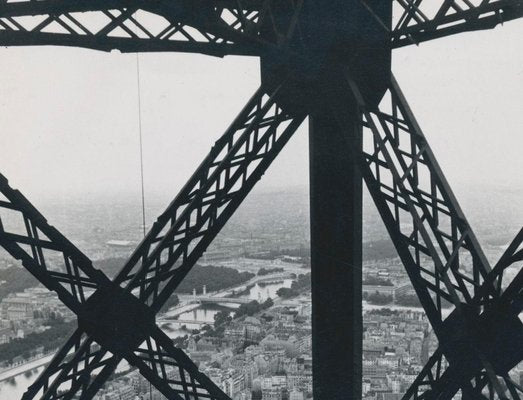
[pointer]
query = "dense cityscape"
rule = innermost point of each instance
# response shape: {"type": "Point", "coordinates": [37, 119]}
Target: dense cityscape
{"type": "Point", "coordinates": [252, 334]}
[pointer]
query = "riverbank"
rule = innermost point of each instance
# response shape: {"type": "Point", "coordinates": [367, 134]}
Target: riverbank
{"type": "Point", "coordinates": [16, 370]}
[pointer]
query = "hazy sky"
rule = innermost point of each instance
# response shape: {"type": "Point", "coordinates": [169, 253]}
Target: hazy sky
{"type": "Point", "coordinates": [69, 121]}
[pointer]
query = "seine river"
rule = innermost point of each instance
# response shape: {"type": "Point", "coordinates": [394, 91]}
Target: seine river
{"type": "Point", "coordinates": [13, 388]}
{"type": "Point", "coordinates": [259, 292]}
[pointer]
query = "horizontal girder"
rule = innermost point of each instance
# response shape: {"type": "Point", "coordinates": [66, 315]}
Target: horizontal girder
{"type": "Point", "coordinates": [217, 28]}
{"type": "Point", "coordinates": [222, 27]}
{"type": "Point", "coordinates": [423, 20]}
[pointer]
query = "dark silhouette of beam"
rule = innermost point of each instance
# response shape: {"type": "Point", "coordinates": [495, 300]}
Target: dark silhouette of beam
{"type": "Point", "coordinates": [336, 204]}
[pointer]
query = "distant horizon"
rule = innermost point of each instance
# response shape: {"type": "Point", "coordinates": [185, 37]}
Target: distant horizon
{"type": "Point", "coordinates": [155, 194]}
{"type": "Point", "coordinates": [486, 206]}
{"type": "Point", "coordinates": [70, 116]}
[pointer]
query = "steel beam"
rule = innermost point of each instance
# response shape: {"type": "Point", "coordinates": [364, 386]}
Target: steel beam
{"type": "Point", "coordinates": [216, 28]}
{"type": "Point", "coordinates": [117, 320]}
{"type": "Point", "coordinates": [424, 20]}
{"type": "Point", "coordinates": [482, 335]}
{"type": "Point", "coordinates": [335, 213]}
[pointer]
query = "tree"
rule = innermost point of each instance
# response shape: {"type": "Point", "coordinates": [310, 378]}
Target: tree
{"type": "Point", "coordinates": [172, 301]}
{"type": "Point", "coordinates": [374, 280]}
{"type": "Point", "coordinates": [222, 278]}
{"type": "Point", "coordinates": [264, 271]}
{"type": "Point", "coordinates": [286, 292]}
{"type": "Point", "coordinates": [50, 339]}
{"type": "Point", "coordinates": [410, 300]}
{"type": "Point", "coordinates": [303, 282]}
{"type": "Point", "coordinates": [267, 303]}
{"type": "Point", "coordinates": [248, 309]}
{"type": "Point", "coordinates": [379, 299]}
{"type": "Point", "coordinates": [256, 395]}
{"type": "Point", "coordinates": [221, 318]}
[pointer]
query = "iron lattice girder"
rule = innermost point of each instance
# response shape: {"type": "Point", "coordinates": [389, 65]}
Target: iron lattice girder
{"type": "Point", "coordinates": [222, 27]}
{"type": "Point", "coordinates": [483, 336]}
{"type": "Point", "coordinates": [424, 20]}
{"type": "Point", "coordinates": [218, 28]}
{"type": "Point", "coordinates": [192, 220]}
{"type": "Point", "coordinates": [113, 323]}
{"type": "Point", "coordinates": [438, 377]}
{"type": "Point", "coordinates": [44, 251]}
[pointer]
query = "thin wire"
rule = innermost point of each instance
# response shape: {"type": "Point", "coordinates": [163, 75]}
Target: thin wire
{"type": "Point", "coordinates": [141, 142]}
{"type": "Point", "coordinates": [141, 160]}
{"type": "Point", "coordinates": [139, 90]}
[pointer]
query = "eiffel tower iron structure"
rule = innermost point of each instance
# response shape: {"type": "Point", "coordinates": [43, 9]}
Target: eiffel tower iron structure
{"type": "Point", "coordinates": [329, 61]}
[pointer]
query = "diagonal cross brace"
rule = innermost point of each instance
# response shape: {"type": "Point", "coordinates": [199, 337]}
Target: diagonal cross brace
{"type": "Point", "coordinates": [444, 381]}
{"type": "Point", "coordinates": [76, 272]}
{"type": "Point", "coordinates": [438, 248]}
{"type": "Point", "coordinates": [114, 324]}
{"type": "Point", "coordinates": [104, 315]}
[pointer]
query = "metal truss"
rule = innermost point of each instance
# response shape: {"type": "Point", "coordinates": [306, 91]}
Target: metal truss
{"type": "Point", "coordinates": [44, 251]}
{"type": "Point", "coordinates": [127, 305]}
{"type": "Point", "coordinates": [422, 20]}
{"type": "Point", "coordinates": [437, 377]}
{"type": "Point", "coordinates": [219, 27]}
{"type": "Point", "coordinates": [181, 234]}
{"type": "Point", "coordinates": [480, 341]}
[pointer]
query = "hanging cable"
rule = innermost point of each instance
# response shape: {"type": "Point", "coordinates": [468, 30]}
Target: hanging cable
{"type": "Point", "coordinates": [140, 136]}
{"type": "Point", "coordinates": [141, 160]}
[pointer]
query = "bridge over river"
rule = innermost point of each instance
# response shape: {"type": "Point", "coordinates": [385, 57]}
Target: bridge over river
{"type": "Point", "coordinates": [180, 322]}
{"type": "Point", "coordinates": [206, 299]}
{"type": "Point", "coordinates": [223, 296]}
{"type": "Point", "coordinates": [192, 302]}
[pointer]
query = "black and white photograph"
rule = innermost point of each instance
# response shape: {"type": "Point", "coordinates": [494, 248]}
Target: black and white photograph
{"type": "Point", "coordinates": [261, 200]}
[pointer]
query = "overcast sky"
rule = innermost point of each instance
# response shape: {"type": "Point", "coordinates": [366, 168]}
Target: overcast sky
{"type": "Point", "coordinates": [69, 121]}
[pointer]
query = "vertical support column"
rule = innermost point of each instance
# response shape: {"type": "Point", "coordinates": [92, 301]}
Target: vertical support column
{"type": "Point", "coordinates": [336, 235]}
